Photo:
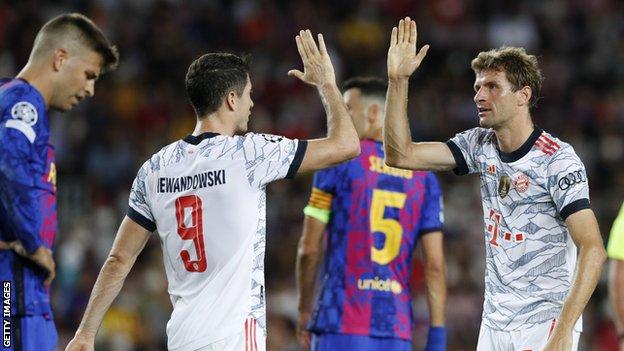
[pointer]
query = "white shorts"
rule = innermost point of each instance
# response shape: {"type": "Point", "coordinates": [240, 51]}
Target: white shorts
{"type": "Point", "coordinates": [251, 338]}
{"type": "Point", "coordinates": [533, 339]}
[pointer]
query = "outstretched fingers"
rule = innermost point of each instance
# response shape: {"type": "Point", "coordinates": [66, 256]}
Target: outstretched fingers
{"type": "Point", "coordinates": [413, 33]}
{"type": "Point", "coordinates": [401, 31]}
{"type": "Point", "coordinates": [393, 36]}
{"type": "Point", "coordinates": [300, 48]}
{"type": "Point", "coordinates": [322, 46]}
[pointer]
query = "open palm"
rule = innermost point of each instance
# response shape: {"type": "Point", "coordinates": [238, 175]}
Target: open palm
{"type": "Point", "coordinates": [402, 57]}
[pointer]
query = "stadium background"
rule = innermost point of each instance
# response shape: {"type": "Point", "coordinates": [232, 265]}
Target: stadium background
{"type": "Point", "coordinates": [142, 106]}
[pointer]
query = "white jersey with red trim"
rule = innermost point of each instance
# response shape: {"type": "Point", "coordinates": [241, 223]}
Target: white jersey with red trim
{"type": "Point", "coordinates": [527, 195]}
{"type": "Point", "coordinates": [205, 195]}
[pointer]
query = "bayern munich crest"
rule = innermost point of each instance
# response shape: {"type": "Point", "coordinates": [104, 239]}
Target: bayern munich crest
{"type": "Point", "coordinates": [521, 183]}
{"type": "Point", "coordinates": [25, 112]}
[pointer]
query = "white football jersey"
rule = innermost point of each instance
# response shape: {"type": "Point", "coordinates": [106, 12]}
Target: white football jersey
{"type": "Point", "coordinates": [205, 195]}
{"type": "Point", "coordinates": [527, 195]}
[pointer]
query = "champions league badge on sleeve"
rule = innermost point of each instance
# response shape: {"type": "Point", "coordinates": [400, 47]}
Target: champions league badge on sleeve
{"type": "Point", "coordinates": [25, 112]}
{"type": "Point", "coordinates": [504, 185]}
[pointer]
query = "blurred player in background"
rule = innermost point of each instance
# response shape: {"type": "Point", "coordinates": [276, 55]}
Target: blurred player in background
{"type": "Point", "coordinates": [374, 216]}
{"type": "Point", "coordinates": [615, 250]}
{"type": "Point", "coordinates": [68, 55]}
{"type": "Point", "coordinates": [205, 195]}
{"type": "Point", "coordinates": [535, 198]}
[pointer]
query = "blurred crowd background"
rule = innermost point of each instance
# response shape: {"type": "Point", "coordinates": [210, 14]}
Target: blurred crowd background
{"type": "Point", "coordinates": [142, 107]}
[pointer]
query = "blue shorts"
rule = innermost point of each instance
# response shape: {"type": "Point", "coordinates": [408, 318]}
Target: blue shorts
{"type": "Point", "coordinates": [332, 342]}
{"type": "Point", "coordinates": [34, 333]}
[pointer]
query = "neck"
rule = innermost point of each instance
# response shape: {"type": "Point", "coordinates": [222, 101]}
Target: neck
{"type": "Point", "coordinates": [214, 123]}
{"type": "Point", "coordinates": [512, 135]}
{"type": "Point", "coordinates": [376, 134]}
{"type": "Point", "coordinates": [37, 77]}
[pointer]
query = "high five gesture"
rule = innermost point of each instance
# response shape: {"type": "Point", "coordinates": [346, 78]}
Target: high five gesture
{"type": "Point", "coordinates": [402, 57]}
{"type": "Point", "coordinates": [317, 66]}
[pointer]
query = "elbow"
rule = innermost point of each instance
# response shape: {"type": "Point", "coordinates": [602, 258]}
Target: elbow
{"type": "Point", "coordinates": [117, 264]}
{"type": "Point", "coordinates": [601, 254]}
{"type": "Point", "coordinates": [436, 269]}
{"type": "Point", "coordinates": [308, 250]}
{"type": "Point", "coordinates": [392, 161]}
{"type": "Point", "coordinates": [349, 150]}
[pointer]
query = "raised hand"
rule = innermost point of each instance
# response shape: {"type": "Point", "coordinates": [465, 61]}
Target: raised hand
{"type": "Point", "coordinates": [317, 67]}
{"type": "Point", "coordinates": [402, 57]}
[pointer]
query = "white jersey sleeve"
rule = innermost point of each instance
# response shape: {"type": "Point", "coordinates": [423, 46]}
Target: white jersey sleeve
{"type": "Point", "coordinates": [139, 209]}
{"type": "Point", "coordinates": [567, 182]}
{"type": "Point", "coordinates": [464, 146]}
{"type": "Point", "coordinates": [271, 157]}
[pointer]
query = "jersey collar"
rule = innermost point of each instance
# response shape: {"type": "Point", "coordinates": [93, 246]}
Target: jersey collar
{"type": "Point", "coordinates": [523, 150]}
{"type": "Point", "coordinates": [196, 139]}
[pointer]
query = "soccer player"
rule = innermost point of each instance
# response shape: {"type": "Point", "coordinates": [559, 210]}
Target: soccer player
{"type": "Point", "coordinates": [68, 55]}
{"type": "Point", "coordinates": [374, 216]}
{"type": "Point", "coordinates": [205, 195]}
{"type": "Point", "coordinates": [615, 250]}
{"type": "Point", "coordinates": [535, 198]}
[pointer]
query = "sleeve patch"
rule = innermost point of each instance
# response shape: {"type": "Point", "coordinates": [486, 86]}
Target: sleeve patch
{"type": "Point", "coordinates": [23, 127]}
{"type": "Point", "coordinates": [26, 112]}
{"type": "Point", "coordinates": [320, 199]}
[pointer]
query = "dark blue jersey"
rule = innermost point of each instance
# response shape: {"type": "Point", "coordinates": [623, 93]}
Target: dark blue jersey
{"type": "Point", "coordinates": [27, 192]}
{"type": "Point", "coordinates": [375, 215]}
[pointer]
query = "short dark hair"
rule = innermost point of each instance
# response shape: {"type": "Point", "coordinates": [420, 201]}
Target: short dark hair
{"type": "Point", "coordinates": [520, 68]}
{"type": "Point", "coordinates": [369, 86]}
{"type": "Point", "coordinates": [211, 77]}
{"type": "Point", "coordinates": [80, 28]}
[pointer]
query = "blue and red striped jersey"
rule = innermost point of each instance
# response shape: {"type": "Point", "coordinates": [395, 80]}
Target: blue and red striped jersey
{"type": "Point", "coordinates": [27, 192]}
{"type": "Point", "coordinates": [376, 216]}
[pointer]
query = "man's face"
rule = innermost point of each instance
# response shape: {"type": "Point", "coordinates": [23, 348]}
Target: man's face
{"type": "Point", "coordinates": [353, 99]}
{"type": "Point", "coordinates": [496, 101]}
{"type": "Point", "coordinates": [77, 80]}
{"type": "Point", "coordinates": [243, 108]}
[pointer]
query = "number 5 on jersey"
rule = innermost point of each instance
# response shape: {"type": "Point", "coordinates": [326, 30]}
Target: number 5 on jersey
{"type": "Point", "coordinates": [391, 228]}
{"type": "Point", "coordinates": [194, 232]}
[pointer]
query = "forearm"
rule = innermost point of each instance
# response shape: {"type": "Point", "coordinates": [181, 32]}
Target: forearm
{"type": "Point", "coordinates": [436, 295]}
{"type": "Point", "coordinates": [106, 288]}
{"type": "Point", "coordinates": [588, 269]}
{"type": "Point", "coordinates": [397, 136]}
{"type": "Point", "coordinates": [307, 265]}
{"type": "Point", "coordinates": [340, 129]}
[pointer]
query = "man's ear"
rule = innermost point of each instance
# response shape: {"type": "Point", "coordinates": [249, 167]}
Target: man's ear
{"type": "Point", "coordinates": [231, 100]}
{"type": "Point", "coordinates": [524, 95]}
{"type": "Point", "coordinates": [59, 58]}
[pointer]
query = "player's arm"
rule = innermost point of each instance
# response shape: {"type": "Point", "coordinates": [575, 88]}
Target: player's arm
{"type": "Point", "coordinates": [20, 199]}
{"type": "Point", "coordinates": [342, 141]}
{"type": "Point", "coordinates": [435, 276]}
{"type": "Point", "coordinates": [309, 252]}
{"type": "Point", "coordinates": [400, 151]}
{"type": "Point", "coordinates": [585, 233]}
{"type": "Point", "coordinates": [129, 242]}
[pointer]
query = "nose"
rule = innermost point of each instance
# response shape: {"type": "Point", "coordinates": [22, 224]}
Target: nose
{"type": "Point", "coordinates": [479, 95]}
{"type": "Point", "coordinates": [90, 88]}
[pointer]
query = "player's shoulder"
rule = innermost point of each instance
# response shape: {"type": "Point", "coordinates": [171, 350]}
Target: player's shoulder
{"type": "Point", "coordinates": [20, 97]}
{"type": "Point", "coordinates": [21, 108]}
{"type": "Point", "coordinates": [160, 158]}
{"type": "Point", "coordinates": [260, 138]}
{"type": "Point", "coordinates": [553, 148]}
{"type": "Point", "coordinates": [479, 135]}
